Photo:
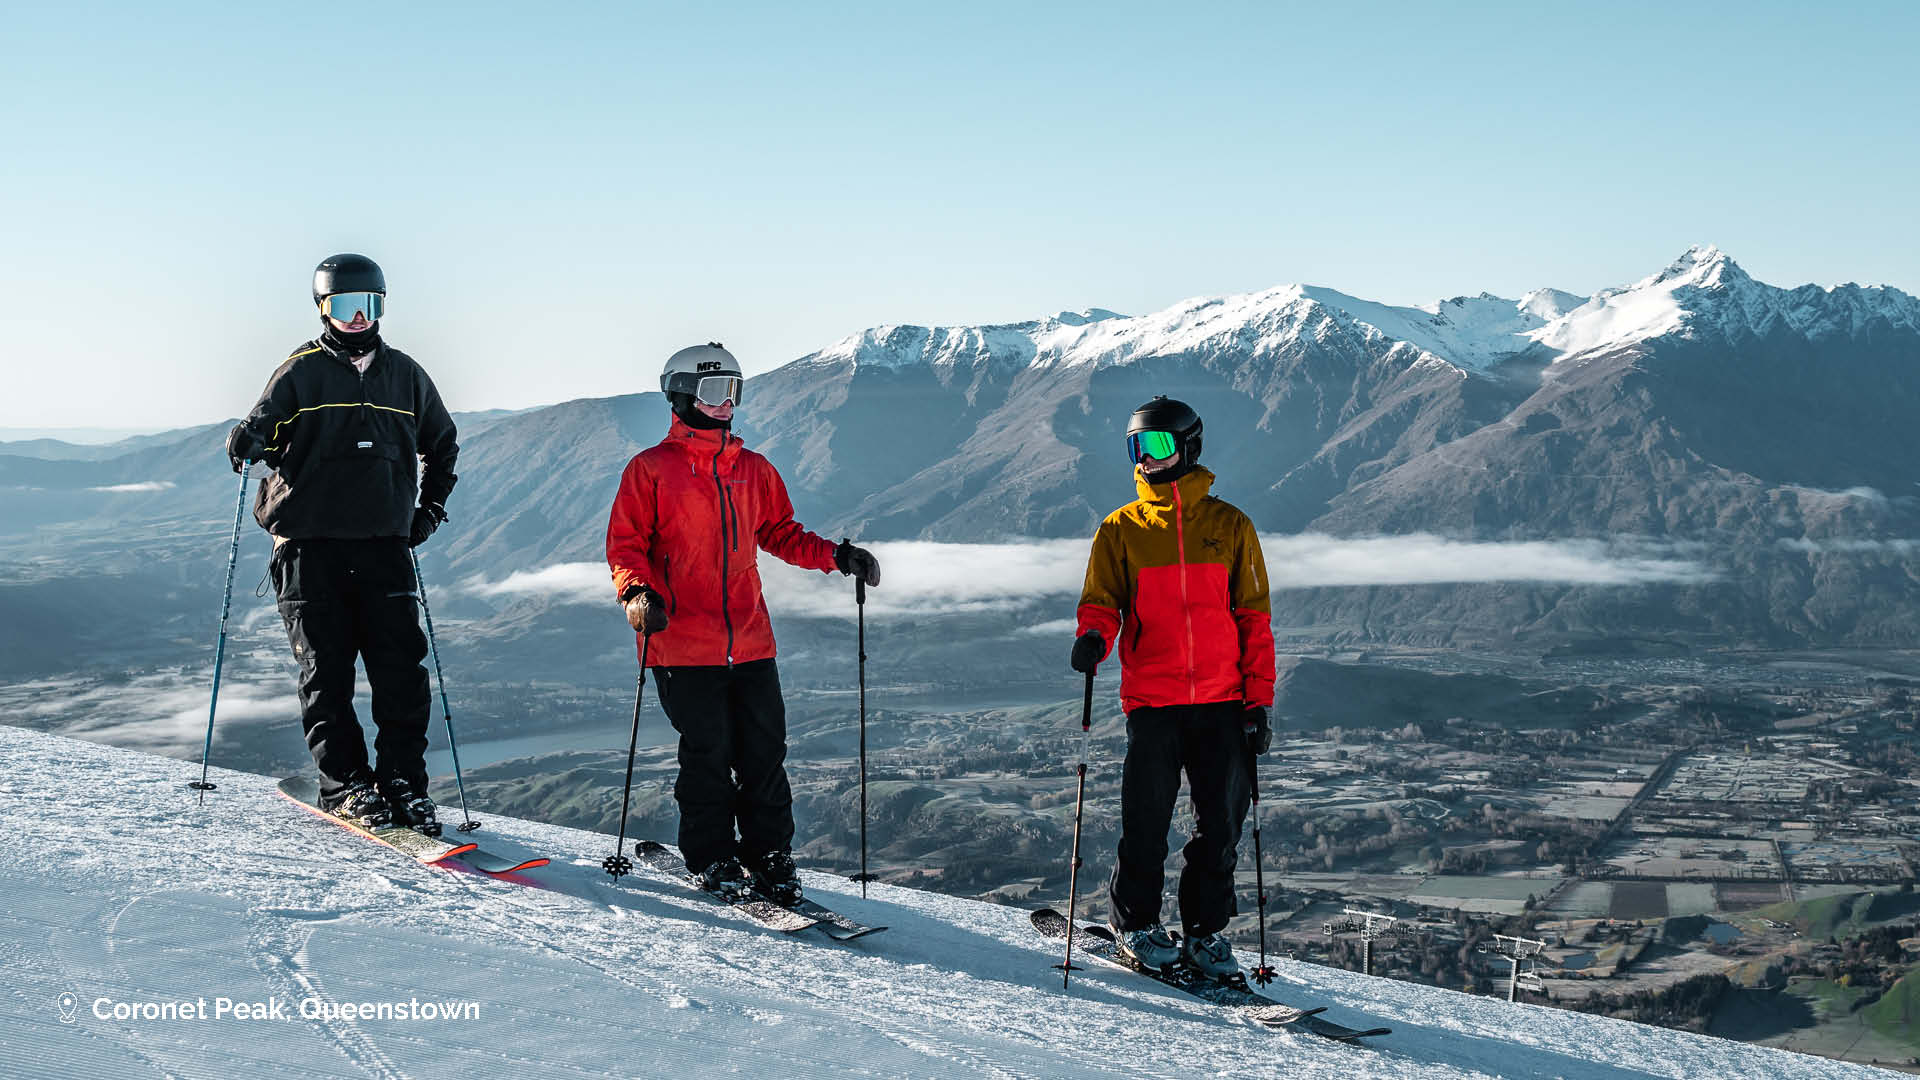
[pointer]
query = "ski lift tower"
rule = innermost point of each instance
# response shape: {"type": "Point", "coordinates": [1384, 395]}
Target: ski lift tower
{"type": "Point", "coordinates": [1516, 951]}
{"type": "Point", "coordinates": [1369, 924]}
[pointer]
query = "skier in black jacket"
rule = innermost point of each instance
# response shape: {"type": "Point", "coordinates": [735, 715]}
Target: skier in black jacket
{"type": "Point", "coordinates": [344, 424]}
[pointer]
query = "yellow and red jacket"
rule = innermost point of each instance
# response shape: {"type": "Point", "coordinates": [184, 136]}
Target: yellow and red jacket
{"type": "Point", "coordinates": [691, 516]}
{"type": "Point", "coordinates": [1177, 578]}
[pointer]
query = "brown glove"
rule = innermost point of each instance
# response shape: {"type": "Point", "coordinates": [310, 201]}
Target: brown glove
{"type": "Point", "coordinates": [646, 611]}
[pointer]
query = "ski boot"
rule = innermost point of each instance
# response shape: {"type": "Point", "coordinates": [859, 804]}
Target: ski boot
{"type": "Point", "coordinates": [412, 809]}
{"type": "Point", "coordinates": [361, 803]}
{"type": "Point", "coordinates": [776, 878]}
{"type": "Point", "coordinates": [725, 879]}
{"type": "Point", "coordinates": [1151, 947]}
{"type": "Point", "coordinates": [1211, 955]}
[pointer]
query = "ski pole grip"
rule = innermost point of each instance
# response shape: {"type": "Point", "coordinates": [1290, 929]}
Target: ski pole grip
{"type": "Point", "coordinates": [860, 589]}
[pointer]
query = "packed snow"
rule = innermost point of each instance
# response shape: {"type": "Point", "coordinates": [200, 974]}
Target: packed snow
{"type": "Point", "coordinates": [316, 953]}
{"type": "Point", "coordinates": [1471, 333]}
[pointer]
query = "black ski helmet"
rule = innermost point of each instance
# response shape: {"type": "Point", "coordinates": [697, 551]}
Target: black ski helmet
{"type": "Point", "coordinates": [1176, 418]}
{"type": "Point", "coordinates": [347, 273]}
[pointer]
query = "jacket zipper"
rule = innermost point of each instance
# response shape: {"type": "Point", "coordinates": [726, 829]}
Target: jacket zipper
{"type": "Point", "coordinates": [726, 549]}
{"type": "Point", "coordinates": [734, 510]}
{"type": "Point", "coordinates": [1186, 612]}
{"type": "Point", "coordinates": [366, 415]}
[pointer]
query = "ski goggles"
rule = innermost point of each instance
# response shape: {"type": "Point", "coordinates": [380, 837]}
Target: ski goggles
{"type": "Point", "coordinates": [719, 389]}
{"type": "Point", "coordinates": [1158, 445]}
{"type": "Point", "coordinates": [343, 306]}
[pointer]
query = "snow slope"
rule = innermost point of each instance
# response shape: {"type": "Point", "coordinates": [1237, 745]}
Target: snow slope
{"type": "Point", "coordinates": [121, 888]}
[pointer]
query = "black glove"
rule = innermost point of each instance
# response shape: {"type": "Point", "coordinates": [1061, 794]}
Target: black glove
{"type": "Point", "coordinates": [856, 560]}
{"type": "Point", "coordinates": [1088, 650]}
{"type": "Point", "coordinates": [425, 519]}
{"type": "Point", "coordinates": [243, 446]}
{"type": "Point", "coordinates": [646, 610]}
{"type": "Point", "coordinates": [1259, 730]}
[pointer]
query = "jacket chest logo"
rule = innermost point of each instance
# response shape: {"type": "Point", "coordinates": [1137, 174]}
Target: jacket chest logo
{"type": "Point", "coordinates": [1214, 545]}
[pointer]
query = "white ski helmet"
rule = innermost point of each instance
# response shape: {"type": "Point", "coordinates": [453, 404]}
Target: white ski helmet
{"type": "Point", "coordinates": [707, 373]}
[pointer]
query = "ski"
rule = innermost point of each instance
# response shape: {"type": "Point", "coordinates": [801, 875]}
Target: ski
{"type": "Point", "coordinates": [657, 857]}
{"type": "Point", "coordinates": [494, 864]}
{"type": "Point", "coordinates": [1098, 942]}
{"type": "Point", "coordinates": [832, 923]}
{"type": "Point", "coordinates": [427, 849]}
{"type": "Point", "coordinates": [787, 919]}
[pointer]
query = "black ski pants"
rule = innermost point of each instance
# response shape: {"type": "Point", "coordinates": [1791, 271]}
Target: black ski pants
{"type": "Point", "coordinates": [733, 759]}
{"type": "Point", "coordinates": [1208, 741]}
{"type": "Point", "coordinates": [348, 599]}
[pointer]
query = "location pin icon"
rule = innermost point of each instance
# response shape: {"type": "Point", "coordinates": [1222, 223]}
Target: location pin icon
{"type": "Point", "coordinates": [69, 1008]}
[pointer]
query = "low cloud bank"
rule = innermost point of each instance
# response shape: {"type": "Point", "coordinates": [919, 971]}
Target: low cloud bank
{"type": "Point", "coordinates": [1852, 547]}
{"type": "Point", "coordinates": [574, 583]}
{"type": "Point", "coordinates": [164, 711]}
{"type": "Point", "coordinates": [144, 485]}
{"type": "Point", "coordinates": [1311, 560]}
{"type": "Point", "coordinates": [928, 578]}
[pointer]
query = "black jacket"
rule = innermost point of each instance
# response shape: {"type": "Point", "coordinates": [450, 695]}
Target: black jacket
{"type": "Point", "coordinates": [344, 446]}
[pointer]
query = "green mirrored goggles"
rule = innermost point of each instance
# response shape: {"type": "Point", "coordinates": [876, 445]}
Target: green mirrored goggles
{"type": "Point", "coordinates": [1158, 445]}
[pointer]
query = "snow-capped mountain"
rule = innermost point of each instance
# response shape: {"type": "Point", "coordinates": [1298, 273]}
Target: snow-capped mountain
{"type": "Point", "coordinates": [1704, 293]}
{"type": "Point", "coordinates": [127, 898]}
{"type": "Point", "coordinates": [1470, 332]}
{"type": "Point", "coordinates": [1769, 427]}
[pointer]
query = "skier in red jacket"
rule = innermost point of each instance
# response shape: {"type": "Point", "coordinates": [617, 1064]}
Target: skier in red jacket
{"type": "Point", "coordinates": [690, 517]}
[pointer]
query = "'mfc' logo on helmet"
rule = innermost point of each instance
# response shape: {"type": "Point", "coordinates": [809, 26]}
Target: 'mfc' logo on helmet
{"type": "Point", "coordinates": [709, 365]}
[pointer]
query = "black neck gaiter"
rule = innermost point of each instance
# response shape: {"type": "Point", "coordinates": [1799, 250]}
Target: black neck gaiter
{"type": "Point", "coordinates": [1168, 476]}
{"type": "Point", "coordinates": [349, 343]}
{"type": "Point", "coordinates": [690, 414]}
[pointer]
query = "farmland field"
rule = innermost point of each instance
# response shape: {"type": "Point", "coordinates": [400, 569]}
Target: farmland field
{"type": "Point", "coordinates": [1690, 899]}
{"type": "Point", "coordinates": [1744, 897]}
{"type": "Point", "coordinates": [1587, 900]}
{"type": "Point", "coordinates": [1639, 900]}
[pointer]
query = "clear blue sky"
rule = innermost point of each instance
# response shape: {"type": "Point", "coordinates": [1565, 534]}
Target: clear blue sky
{"type": "Point", "coordinates": [562, 194]}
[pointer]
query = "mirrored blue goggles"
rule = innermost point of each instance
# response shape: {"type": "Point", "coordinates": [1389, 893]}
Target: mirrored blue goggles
{"type": "Point", "coordinates": [343, 306]}
{"type": "Point", "coordinates": [1158, 445]}
{"type": "Point", "coordinates": [719, 389]}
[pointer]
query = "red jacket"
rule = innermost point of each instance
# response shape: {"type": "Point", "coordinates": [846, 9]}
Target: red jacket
{"type": "Point", "coordinates": [1178, 580]}
{"type": "Point", "coordinates": [692, 513]}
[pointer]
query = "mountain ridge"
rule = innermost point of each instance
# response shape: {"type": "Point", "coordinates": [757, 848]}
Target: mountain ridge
{"type": "Point", "coordinates": [1695, 405]}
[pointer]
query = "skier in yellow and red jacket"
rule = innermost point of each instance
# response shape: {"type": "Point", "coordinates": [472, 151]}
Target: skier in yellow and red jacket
{"type": "Point", "coordinates": [1177, 579]}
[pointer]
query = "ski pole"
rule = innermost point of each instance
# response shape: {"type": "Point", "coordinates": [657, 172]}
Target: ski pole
{"type": "Point", "coordinates": [203, 785]}
{"type": "Point", "coordinates": [1079, 803]}
{"type": "Point", "coordinates": [446, 710]}
{"type": "Point", "coordinates": [1263, 974]}
{"type": "Point", "coordinates": [617, 865]}
{"type": "Point", "coordinates": [860, 607]}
